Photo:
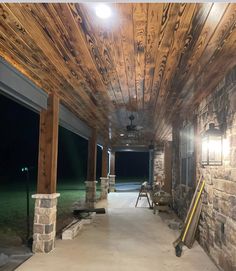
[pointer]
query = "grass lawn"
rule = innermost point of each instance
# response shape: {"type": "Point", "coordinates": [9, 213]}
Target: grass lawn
{"type": "Point", "coordinates": [13, 205]}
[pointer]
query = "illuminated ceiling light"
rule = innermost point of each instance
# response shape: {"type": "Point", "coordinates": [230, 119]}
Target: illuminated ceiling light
{"type": "Point", "coordinates": [122, 134]}
{"type": "Point", "coordinates": [103, 11]}
{"type": "Point", "coordinates": [127, 144]}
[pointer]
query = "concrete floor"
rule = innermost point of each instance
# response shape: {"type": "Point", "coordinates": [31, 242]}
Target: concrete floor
{"type": "Point", "coordinates": [126, 238]}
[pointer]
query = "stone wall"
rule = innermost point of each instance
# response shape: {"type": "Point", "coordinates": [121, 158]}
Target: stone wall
{"type": "Point", "coordinates": [217, 227]}
{"type": "Point", "coordinates": [218, 218]}
{"type": "Point", "coordinates": [158, 162]}
{"type": "Point", "coordinates": [182, 196]}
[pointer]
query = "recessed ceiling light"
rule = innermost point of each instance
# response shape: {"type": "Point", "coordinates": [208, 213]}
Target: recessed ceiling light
{"type": "Point", "coordinates": [127, 144]}
{"type": "Point", "coordinates": [103, 11]}
{"type": "Point", "coordinates": [122, 134]}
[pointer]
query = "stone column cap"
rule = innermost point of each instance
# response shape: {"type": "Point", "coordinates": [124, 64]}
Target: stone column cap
{"type": "Point", "coordinates": [46, 196]}
{"type": "Point", "coordinates": [104, 178]}
{"type": "Point", "coordinates": [112, 175]}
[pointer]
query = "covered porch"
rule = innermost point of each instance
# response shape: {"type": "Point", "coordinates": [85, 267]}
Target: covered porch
{"type": "Point", "coordinates": [157, 78]}
{"type": "Point", "coordinates": [125, 238]}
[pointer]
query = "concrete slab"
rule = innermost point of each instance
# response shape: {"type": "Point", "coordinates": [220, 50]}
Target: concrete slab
{"type": "Point", "coordinates": [125, 238]}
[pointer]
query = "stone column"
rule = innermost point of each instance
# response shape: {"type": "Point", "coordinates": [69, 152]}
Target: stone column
{"type": "Point", "coordinates": [44, 222]}
{"type": "Point", "coordinates": [104, 187]}
{"type": "Point", "coordinates": [112, 182]}
{"type": "Point", "coordinates": [90, 199]}
{"type": "Point", "coordinates": [46, 198]}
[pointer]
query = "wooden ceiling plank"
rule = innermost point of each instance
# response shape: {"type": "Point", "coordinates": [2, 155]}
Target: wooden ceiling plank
{"type": "Point", "coordinates": [199, 41]}
{"type": "Point", "coordinates": [103, 45]}
{"type": "Point", "coordinates": [155, 61]}
{"type": "Point", "coordinates": [65, 46]}
{"type": "Point", "coordinates": [224, 26]}
{"type": "Point", "coordinates": [82, 27]}
{"type": "Point", "coordinates": [127, 37]}
{"type": "Point", "coordinates": [140, 12]}
{"type": "Point", "coordinates": [89, 42]}
{"type": "Point", "coordinates": [117, 52]}
{"type": "Point", "coordinates": [178, 46]}
{"type": "Point", "coordinates": [222, 30]}
{"type": "Point", "coordinates": [45, 45]}
{"type": "Point", "coordinates": [153, 32]}
{"type": "Point", "coordinates": [192, 35]}
{"type": "Point", "coordinates": [38, 78]}
{"type": "Point", "coordinates": [223, 60]}
{"type": "Point", "coordinates": [205, 84]}
{"type": "Point", "coordinates": [169, 15]}
{"type": "Point", "coordinates": [32, 61]}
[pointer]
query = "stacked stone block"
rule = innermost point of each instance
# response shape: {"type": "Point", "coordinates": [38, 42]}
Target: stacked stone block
{"type": "Point", "coordinates": [217, 226]}
{"type": "Point", "coordinates": [104, 187]}
{"type": "Point", "coordinates": [158, 160]}
{"type": "Point", "coordinates": [112, 183]}
{"type": "Point", "coordinates": [218, 218]}
{"type": "Point", "coordinates": [44, 222]}
{"type": "Point", "coordinates": [90, 199]}
{"type": "Point", "coordinates": [182, 196]}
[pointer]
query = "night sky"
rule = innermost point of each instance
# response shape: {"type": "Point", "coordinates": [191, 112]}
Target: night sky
{"type": "Point", "coordinates": [19, 136]}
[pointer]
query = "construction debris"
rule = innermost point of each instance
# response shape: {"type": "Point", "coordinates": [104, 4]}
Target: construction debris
{"type": "Point", "coordinates": [187, 235]}
{"type": "Point", "coordinates": [73, 229]}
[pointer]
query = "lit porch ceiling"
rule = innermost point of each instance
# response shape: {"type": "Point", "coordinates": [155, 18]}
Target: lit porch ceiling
{"type": "Point", "coordinates": [155, 61]}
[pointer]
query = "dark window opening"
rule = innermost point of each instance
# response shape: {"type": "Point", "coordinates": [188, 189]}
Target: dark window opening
{"type": "Point", "coordinates": [132, 165]}
{"type": "Point", "coordinates": [187, 155]}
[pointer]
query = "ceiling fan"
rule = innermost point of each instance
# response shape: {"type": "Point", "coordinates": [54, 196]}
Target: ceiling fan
{"type": "Point", "coordinates": [131, 127]}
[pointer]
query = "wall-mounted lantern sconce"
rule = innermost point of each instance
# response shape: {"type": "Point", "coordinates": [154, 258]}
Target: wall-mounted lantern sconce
{"type": "Point", "coordinates": [212, 146]}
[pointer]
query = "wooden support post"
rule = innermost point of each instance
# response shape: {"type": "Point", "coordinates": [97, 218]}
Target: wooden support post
{"type": "Point", "coordinates": [104, 178]}
{"type": "Point", "coordinates": [48, 147]}
{"type": "Point", "coordinates": [92, 157]}
{"type": "Point", "coordinates": [44, 230]}
{"type": "Point", "coordinates": [112, 163]}
{"type": "Point", "coordinates": [112, 176]}
{"type": "Point", "coordinates": [91, 171]}
{"type": "Point", "coordinates": [104, 161]}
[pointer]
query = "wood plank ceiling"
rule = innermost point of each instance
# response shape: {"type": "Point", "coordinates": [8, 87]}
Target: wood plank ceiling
{"type": "Point", "coordinates": [155, 61]}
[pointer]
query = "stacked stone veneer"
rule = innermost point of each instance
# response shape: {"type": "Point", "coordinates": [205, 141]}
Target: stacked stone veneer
{"type": "Point", "coordinates": [104, 187]}
{"type": "Point", "coordinates": [218, 218]}
{"type": "Point", "coordinates": [182, 196]}
{"type": "Point", "coordinates": [44, 230]}
{"type": "Point", "coordinates": [90, 199]}
{"type": "Point", "coordinates": [158, 163]}
{"type": "Point", "coordinates": [217, 226]}
{"type": "Point", "coordinates": [112, 183]}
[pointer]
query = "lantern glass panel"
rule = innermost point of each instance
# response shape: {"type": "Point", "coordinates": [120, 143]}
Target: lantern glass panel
{"type": "Point", "coordinates": [205, 150]}
{"type": "Point", "coordinates": [215, 149]}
